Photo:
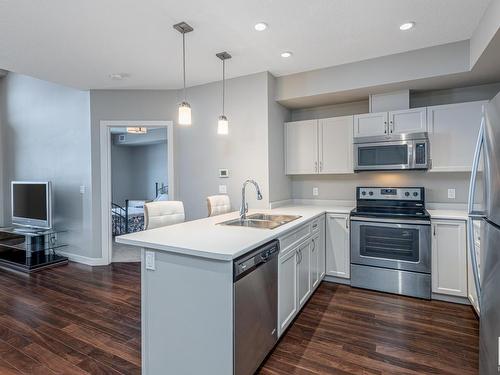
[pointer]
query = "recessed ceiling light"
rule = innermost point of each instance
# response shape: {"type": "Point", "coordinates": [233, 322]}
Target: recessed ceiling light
{"type": "Point", "coordinates": [118, 76]}
{"type": "Point", "coordinates": [286, 54]}
{"type": "Point", "coordinates": [407, 26]}
{"type": "Point", "coordinates": [260, 26]}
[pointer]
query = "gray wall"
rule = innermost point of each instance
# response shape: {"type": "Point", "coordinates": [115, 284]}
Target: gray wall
{"type": "Point", "coordinates": [449, 96]}
{"type": "Point", "coordinates": [280, 187]}
{"type": "Point", "coordinates": [136, 169]}
{"type": "Point", "coordinates": [198, 150]}
{"type": "Point", "coordinates": [342, 187]}
{"type": "Point", "coordinates": [328, 111]}
{"type": "Point", "coordinates": [46, 136]}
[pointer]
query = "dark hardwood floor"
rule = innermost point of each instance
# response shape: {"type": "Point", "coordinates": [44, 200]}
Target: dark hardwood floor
{"type": "Point", "coordinates": [82, 320]}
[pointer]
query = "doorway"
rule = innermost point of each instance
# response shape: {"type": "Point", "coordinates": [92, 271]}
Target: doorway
{"type": "Point", "coordinates": [136, 168]}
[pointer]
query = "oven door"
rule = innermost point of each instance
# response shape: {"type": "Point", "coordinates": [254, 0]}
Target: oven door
{"type": "Point", "coordinates": [383, 155]}
{"type": "Point", "coordinates": [388, 243]}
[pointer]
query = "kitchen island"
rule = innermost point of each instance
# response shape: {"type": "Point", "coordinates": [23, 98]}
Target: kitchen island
{"type": "Point", "coordinates": [187, 297]}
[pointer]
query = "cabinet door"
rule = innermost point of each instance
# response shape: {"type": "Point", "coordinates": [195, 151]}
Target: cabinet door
{"type": "Point", "coordinates": [287, 289]}
{"type": "Point", "coordinates": [322, 250]}
{"type": "Point", "coordinates": [453, 131]}
{"type": "Point", "coordinates": [449, 258]}
{"type": "Point", "coordinates": [301, 144]}
{"type": "Point", "coordinates": [338, 257]}
{"type": "Point", "coordinates": [408, 121]}
{"type": "Point", "coordinates": [335, 145]}
{"type": "Point", "coordinates": [369, 124]}
{"type": "Point", "coordinates": [304, 273]}
{"type": "Point", "coordinates": [314, 269]}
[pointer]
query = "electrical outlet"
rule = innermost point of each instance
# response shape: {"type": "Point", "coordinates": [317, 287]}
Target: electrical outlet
{"type": "Point", "coordinates": [222, 189]}
{"type": "Point", "coordinates": [451, 193]}
{"type": "Point", "coordinates": [150, 260]}
{"type": "Point", "coordinates": [315, 191]}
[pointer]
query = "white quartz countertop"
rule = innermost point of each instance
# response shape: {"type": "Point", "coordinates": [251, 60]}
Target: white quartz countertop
{"type": "Point", "coordinates": [448, 214]}
{"type": "Point", "coordinates": [206, 238]}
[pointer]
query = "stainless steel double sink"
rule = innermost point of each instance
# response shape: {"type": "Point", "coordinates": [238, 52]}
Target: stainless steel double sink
{"type": "Point", "coordinates": [263, 221]}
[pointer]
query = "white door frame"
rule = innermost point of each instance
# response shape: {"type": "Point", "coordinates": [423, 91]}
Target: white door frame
{"type": "Point", "coordinates": [105, 140]}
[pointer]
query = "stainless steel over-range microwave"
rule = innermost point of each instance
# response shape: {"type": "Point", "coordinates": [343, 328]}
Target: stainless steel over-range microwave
{"type": "Point", "coordinates": [395, 151]}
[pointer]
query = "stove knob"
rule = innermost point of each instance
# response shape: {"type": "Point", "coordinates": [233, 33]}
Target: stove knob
{"type": "Point", "coordinates": [407, 194]}
{"type": "Point", "coordinates": [371, 193]}
{"type": "Point", "coordinates": [415, 194]}
{"type": "Point", "coordinates": [363, 192]}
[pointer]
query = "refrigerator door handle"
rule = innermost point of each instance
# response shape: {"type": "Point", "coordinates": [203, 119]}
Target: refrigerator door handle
{"type": "Point", "coordinates": [470, 209]}
{"type": "Point", "coordinates": [475, 167]}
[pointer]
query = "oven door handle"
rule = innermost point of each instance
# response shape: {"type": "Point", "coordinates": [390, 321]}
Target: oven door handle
{"type": "Point", "coordinates": [390, 221]}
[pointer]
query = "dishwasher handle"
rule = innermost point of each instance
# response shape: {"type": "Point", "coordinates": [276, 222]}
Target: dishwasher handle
{"type": "Point", "coordinates": [253, 260]}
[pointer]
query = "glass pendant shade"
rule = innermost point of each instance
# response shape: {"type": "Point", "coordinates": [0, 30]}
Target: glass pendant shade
{"type": "Point", "coordinates": [184, 114]}
{"type": "Point", "coordinates": [223, 125]}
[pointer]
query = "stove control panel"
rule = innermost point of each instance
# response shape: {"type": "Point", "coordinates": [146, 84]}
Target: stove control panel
{"type": "Point", "coordinates": [404, 194]}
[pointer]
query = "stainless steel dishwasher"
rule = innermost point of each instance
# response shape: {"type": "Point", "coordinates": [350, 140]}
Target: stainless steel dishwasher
{"type": "Point", "coordinates": [255, 307]}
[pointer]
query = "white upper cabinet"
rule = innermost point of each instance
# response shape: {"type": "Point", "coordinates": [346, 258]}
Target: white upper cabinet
{"type": "Point", "coordinates": [453, 131]}
{"type": "Point", "coordinates": [335, 145]}
{"type": "Point", "coordinates": [369, 124]}
{"type": "Point", "coordinates": [301, 145]}
{"type": "Point", "coordinates": [408, 121]}
{"type": "Point", "coordinates": [449, 258]}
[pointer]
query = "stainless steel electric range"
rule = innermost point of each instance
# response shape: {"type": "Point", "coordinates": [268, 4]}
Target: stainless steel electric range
{"type": "Point", "coordinates": [391, 241]}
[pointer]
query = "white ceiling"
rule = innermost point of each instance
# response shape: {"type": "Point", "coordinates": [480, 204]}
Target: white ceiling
{"type": "Point", "coordinates": [79, 43]}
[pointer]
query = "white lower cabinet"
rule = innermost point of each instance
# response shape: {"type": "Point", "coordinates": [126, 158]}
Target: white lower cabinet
{"type": "Point", "coordinates": [287, 288]}
{"type": "Point", "coordinates": [322, 250]}
{"type": "Point", "coordinates": [315, 261]}
{"type": "Point", "coordinates": [301, 267]}
{"type": "Point", "coordinates": [449, 257]}
{"type": "Point", "coordinates": [338, 257]}
{"type": "Point", "coordinates": [304, 272]}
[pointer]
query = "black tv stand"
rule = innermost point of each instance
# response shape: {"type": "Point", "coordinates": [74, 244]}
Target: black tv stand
{"type": "Point", "coordinates": [29, 250]}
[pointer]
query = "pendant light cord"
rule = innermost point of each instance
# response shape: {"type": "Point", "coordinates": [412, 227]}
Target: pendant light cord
{"type": "Point", "coordinates": [223, 85]}
{"type": "Point", "coordinates": [184, 63]}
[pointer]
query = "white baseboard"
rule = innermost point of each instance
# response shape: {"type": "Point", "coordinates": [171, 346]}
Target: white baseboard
{"type": "Point", "coordinates": [452, 299]}
{"type": "Point", "coordinates": [83, 260]}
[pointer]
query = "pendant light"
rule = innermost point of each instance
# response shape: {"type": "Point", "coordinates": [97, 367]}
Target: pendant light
{"type": "Point", "coordinates": [223, 123]}
{"type": "Point", "coordinates": [184, 107]}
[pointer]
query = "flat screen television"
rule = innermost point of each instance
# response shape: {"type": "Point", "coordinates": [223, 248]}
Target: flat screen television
{"type": "Point", "coordinates": [32, 204]}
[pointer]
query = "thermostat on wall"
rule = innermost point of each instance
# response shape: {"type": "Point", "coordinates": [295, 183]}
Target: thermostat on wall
{"type": "Point", "coordinates": [223, 173]}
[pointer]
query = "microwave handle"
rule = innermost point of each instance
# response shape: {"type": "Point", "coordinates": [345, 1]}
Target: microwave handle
{"type": "Point", "coordinates": [411, 155]}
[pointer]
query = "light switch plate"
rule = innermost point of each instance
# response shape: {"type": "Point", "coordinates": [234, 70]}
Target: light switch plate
{"type": "Point", "coordinates": [222, 189]}
{"type": "Point", "coordinates": [150, 260]}
{"type": "Point", "coordinates": [315, 191]}
{"type": "Point", "coordinates": [451, 193]}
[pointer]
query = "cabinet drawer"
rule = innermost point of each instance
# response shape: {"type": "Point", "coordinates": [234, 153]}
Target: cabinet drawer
{"type": "Point", "coordinates": [315, 226]}
{"type": "Point", "coordinates": [295, 237]}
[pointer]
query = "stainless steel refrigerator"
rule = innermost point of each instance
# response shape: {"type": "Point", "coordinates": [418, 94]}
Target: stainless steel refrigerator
{"type": "Point", "coordinates": [484, 205]}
